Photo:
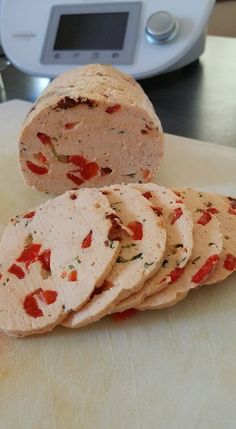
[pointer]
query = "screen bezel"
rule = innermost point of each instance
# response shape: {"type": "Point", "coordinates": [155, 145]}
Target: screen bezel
{"type": "Point", "coordinates": [123, 56]}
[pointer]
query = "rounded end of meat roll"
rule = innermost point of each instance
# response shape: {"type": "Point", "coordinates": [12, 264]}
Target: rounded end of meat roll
{"type": "Point", "coordinates": [92, 127]}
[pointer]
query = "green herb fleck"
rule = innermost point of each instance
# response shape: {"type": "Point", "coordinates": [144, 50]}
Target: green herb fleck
{"type": "Point", "coordinates": [121, 260]}
{"type": "Point", "coordinates": [60, 158]}
{"type": "Point", "coordinates": [71, 267]}
{"type": "Point", "coordinates": [111, 244]}
{"type": "Point", "coordinates": [128, 246]}
{"type": "Point", "coordinates": [196, 259]}
{"type": "Point", "coordinates": [113, 206]}
{"type": "Point", "coordinates": [180, 262]}
{"type": "Point", "coordinates": [129, 175]}
{"type": "Point", "coordinates": [148, 264]}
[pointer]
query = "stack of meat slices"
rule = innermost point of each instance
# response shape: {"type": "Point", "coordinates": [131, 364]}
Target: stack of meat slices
{"type": "Point", "coordinates": [93, 252]}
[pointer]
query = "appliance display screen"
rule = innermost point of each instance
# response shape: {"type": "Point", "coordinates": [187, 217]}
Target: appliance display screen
{"type": "Point", "coordinates": [91, 31]}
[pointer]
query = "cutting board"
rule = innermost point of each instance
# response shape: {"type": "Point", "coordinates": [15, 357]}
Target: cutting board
{"type": "Point", "coordinates": [169, 369]}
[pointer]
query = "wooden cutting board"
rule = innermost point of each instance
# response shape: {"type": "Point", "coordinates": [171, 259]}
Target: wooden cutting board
{"type": "Point", "coordinates": [166, 369]}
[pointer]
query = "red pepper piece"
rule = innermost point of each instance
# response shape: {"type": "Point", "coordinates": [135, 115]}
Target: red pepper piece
{"type": "Point", "coordinates": [87, 240]}
{"type": "Point", "coordinates": [49, 296]}
{"type": "Point", "coordinates": [157, 210]}
{"type": "Point", "coordinates": [124, 315]}
{"type": "Point", "coordinates": [72, 277]}
{"type": "Point", "coordinates": [70, 125]}
{"type": "Point", "coordinates": [42, 158]}
{"type": "Point", "coordinates": [73, 196]}
{"type": "Point", "coordinates": [44, 138]}
{"type": "Point", "coordinates": [177, 213]}
{"type": "Point", "coordinates": [177, 193]}
{"type": "Point", "coordinates": [36, 169]}
{"type": "Point", "coordinates": [114, 232]}
{"type": "Point", "coordinates": [70, 103]}
{"type": "Point", "coordinates": [147, 195]}
{"type": "Point", "coordinates": [96, 291]}
{"type": "Point", "coordinates": [146, 173]}
{"type": "Point", "coordinates": [17, 271]}
{"type": "Point", "coordinates": [137, 230]}
{"type": "Point", "coordinates": [230, 262]}
{"type": "Point", "coordinates": [63, 274]}
{"type": "Point", "coordinates": [31, 306]}
{"type": "Point", "coordinates": [44, 259]}
{"type": "Point", "coordinates": [212, 210]}
{"type": "Point", "coordinates": [1, 275]}
{"type": "Point", "coordinates": [179, 201]}
{"type": "Point", "coordinates": [175, 274]}
{"type": "Point", "coordinates": [77, 180]}
{"type": "Point", "coordinates": [90, 170]}
{"type": "Point", "coordinates": [111, 216]}
{"type": "Point", "coordinates": [105, 286]}
{"type": "Point", "coordinates": [205, 218]}
{"type": "Point", "coordinates": [105, 171]}
{"type": "Point", "coordinates": [87, 169]}
{"type": "Point", "coordinates": [232, 202]}
{"type": "Point", "coordinates": [29, 254]}
{"type": "Point", "coordinates": [204, 272]}
{"type": "Point", "coordinates": [113, 109]}
{"type": "Point", "coordinates": [78, 160]}
{"type": "Point", "coordinates": [29, 215]}
{"type": "Point", "coordinates": [232, 211]}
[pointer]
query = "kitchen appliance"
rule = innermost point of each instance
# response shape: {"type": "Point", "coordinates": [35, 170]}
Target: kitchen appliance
{"type": "Point", "coordinates": [0, 35]}
{"type": "Point", "coordinates": [143, 38]}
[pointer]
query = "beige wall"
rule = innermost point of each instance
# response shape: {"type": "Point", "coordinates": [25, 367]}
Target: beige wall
{"type": "Point", "coordinates": [223, 19]}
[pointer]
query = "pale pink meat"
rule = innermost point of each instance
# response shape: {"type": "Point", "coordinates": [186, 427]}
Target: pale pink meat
{"type": "Point", "coordinates": [91, 127]}
{"type": "Point", "coordinates": [52, 258]}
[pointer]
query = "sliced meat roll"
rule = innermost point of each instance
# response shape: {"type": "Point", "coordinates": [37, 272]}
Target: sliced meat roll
{"type": "Point", "coordinates": [92, 126]}
{"type": "Point", "coordinates": [207, 248]}
{"type": "Point", "coordinates": [224, 208]}
{"type": "Point", "coordinates": [179, 244]}
{"type": "Point", "coordinates": [141, 255]}
{"type": "Point", "coordinates": [52, 258]}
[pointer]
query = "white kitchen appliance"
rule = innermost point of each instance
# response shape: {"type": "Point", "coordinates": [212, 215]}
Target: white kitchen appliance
{"type": "Point", "coordinates": [0, 33]}
{"type": "Point", "coordinates": [143, 38]}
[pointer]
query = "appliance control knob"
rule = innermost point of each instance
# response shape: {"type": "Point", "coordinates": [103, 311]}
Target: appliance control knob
{"type": "Point", "coordinates": [161, 27]}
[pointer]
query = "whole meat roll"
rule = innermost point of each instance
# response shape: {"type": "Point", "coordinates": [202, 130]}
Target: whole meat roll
{"type": "Point", "coordinates": [92, 126]}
